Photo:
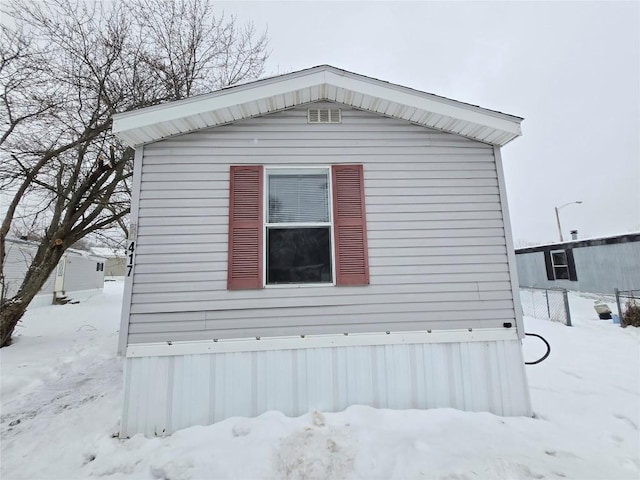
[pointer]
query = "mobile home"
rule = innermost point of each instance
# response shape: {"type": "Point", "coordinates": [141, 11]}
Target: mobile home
{"type": "Point", "coordinates": [78, 276]}
{"type": "Point", "coordinates": [316, 240]}
{"type": "Point", "coordinates": [596, 265]}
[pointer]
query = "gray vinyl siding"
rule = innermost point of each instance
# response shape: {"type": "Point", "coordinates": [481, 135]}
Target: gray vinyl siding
{"type": "Point", "coordinates": [599, 268]}
{"type": "Point", "coordinates": [437, 249]}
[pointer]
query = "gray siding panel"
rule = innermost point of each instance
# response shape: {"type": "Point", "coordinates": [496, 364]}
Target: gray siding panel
{"type": "Point", "coordinates": [245, 327]}
{"type": "Point", "coordinates": [437, 249]}
{"type": "Point", "coordinates": [287, 301]}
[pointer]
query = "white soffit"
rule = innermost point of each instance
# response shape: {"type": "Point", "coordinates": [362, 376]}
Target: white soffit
{"type": "Point", "coordinates": [318, 83]}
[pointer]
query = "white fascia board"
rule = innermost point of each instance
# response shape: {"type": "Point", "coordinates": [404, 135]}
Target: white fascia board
{"type": "Point", "coordinates": [133, 127]}
{"type": "Point", "coordinates": [132, 237]}
{"type": "Point", "coordinates": [511, 251]}
{"type": "Point", "coordinates": [426, 102]}
{"type": "Point", "coordinates": [319, 341]}
{"type": "Point", "coordinates": [217, 101]}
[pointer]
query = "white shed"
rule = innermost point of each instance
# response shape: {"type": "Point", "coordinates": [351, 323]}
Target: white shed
{"type": "Point", "coordinates": [316, 240]}
{"type": "Point", "coordinates": [79, 274]}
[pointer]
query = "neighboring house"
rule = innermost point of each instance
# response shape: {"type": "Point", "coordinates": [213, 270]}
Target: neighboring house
{"type": "Point", "coordinates": [78, 275]}
{"type": "Point", "coordinates": [115, 260]}
{"type": "Point", "coordinates": [597, 265]}
{"type": "Point", "coordinates": [316, 240]}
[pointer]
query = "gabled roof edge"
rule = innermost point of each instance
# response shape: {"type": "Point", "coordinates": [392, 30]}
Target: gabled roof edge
{"type": "Point", "coordinates": [272, 94]}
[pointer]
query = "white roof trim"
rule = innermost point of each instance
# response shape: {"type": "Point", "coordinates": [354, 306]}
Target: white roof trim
{"type": "Point", "coordinates": [318, 83]}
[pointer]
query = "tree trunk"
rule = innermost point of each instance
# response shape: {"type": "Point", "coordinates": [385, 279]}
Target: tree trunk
{"type": "Point", "coordinates": [12, 309]}
{"type": "Point", "coordinates": [12, 312]}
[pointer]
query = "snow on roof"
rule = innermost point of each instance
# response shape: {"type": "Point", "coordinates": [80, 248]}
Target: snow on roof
{"type": "Point", "coordinates": [20, 241]}
{"type": "Point", "coordinates": [73, 251]}
{"type": "Point", "coordinates": [107, 252]}
{"type": "Point", "coordinates": [583, 242]}
{"type": "Point", "coordinates": [323, 82]}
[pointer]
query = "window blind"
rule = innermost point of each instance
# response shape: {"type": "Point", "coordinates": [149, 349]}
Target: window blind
{"type": "Point", "coordinates": [301, 198]}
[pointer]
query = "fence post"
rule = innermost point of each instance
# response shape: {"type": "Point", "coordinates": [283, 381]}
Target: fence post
{"type": "Point", "coordinates": [546, 294]}
{"type": "Point", "coordinates": [567, 311]}
{"type": "Point", "coordinates": [618, 304]}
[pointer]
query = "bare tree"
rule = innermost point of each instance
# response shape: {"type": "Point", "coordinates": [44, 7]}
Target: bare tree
{"type": "Point", "coordinates": [66, 68]}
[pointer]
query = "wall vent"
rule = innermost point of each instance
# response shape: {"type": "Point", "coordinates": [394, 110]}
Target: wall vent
{"type": "Point", "coordinates": [324, 115]}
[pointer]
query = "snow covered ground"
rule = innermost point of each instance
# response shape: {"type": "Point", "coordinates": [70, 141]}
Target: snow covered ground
{"type": "Point", "coordinates": [61, 394]}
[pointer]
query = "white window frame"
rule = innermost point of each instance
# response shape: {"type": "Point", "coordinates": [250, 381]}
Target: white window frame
{"type": "Point", "coordinates": [565, 265]}
{"type": "Point", "coordinates": [265, 224]}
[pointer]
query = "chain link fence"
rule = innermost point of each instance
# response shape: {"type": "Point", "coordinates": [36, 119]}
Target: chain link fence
{"type": "Point", "coordinates": [628, 302]}
{"type": "Point", "coordinates": [546, 303]}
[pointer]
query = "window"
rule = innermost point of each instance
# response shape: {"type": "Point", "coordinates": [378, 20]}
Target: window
{"type": "Point", "coordinates": [560, 265]}
{"type": "Point", "coordinates": [294, 226]}
{"type": "Point", "coordinates": [298, 228]}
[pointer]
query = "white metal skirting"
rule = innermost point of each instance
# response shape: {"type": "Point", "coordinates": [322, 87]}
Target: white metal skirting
{"type": "Point", "coordinates": [167, 393]}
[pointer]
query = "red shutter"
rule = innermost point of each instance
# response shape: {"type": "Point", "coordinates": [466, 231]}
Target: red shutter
{"type": "Point", "coordinates": [350, 225]}
{"type": "Point", "coordinates": [245, 228]}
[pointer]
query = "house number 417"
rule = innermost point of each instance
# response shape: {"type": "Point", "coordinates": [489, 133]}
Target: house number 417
{"type": "Point", "coordinates": [131, 250]}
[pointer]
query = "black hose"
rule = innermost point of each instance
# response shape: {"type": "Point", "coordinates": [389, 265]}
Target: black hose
{"type": "Point", "coordinates": [544, 357]}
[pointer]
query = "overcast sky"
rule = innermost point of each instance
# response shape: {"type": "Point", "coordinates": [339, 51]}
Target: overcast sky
{"type": "Point", "coordinates": [571, 69]}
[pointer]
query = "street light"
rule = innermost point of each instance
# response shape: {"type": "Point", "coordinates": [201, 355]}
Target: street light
{"type": "Point", "coordinates": [558, 216]}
